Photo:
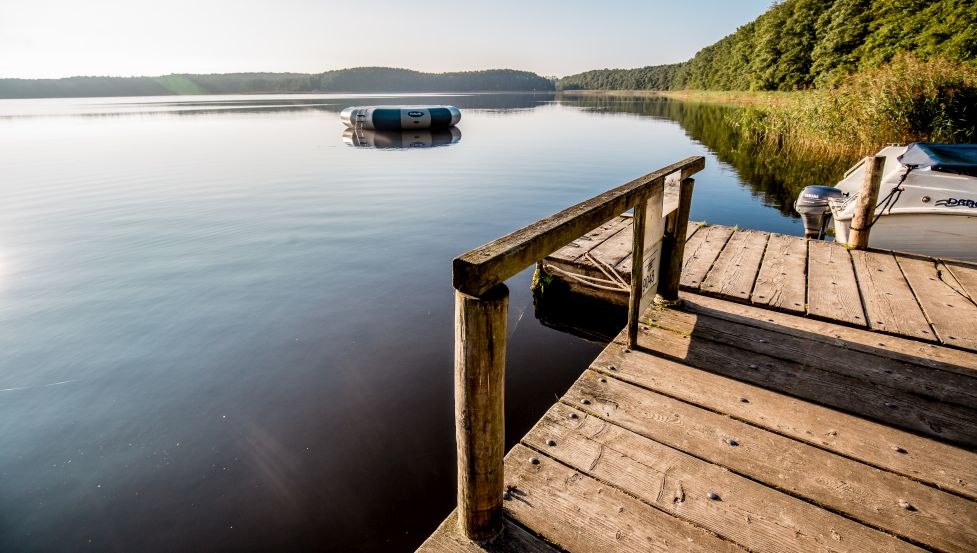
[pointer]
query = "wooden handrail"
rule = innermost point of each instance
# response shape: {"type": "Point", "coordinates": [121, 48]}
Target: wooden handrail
{"type": "Point", "coordinates": [481, 314]}
{"type": "Point", "coordinates": [478, 270]}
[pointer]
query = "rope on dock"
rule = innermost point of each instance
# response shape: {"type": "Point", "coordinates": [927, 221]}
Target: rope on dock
{"type": "Point", "coordinates": [595, 282]}
{"type": "Point", "coordinates": [608, 271]}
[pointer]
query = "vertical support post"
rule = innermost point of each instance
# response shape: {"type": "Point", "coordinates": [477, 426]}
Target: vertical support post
{"type": "Point", "coordinates": [673, 245]}
{"type": "Point", "coordinates": [480, 344]}
{"type": "Point", "coordinates": [868, 197]}
{"type": "Point", "coordinates": [637, 270]}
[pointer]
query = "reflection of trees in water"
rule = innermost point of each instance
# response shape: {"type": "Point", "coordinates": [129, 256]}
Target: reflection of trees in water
{"type": "Point", "coordinates": [775, 174]}
{"type": "Point", "coordinates": [332, 104]}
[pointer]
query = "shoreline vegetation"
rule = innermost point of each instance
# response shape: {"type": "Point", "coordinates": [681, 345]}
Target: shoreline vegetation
{"type": "Point", "coordinates": [830, 76]}
{"type": "Point", "coordinates": [819, 77]}
{"type": "Point", "coordinates": [355, 80]}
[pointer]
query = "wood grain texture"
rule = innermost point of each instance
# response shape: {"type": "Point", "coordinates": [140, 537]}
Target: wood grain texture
{"type": "Point", "coordinates": [746, 512]}
{"type": "Point", "coordinates": [944, 386]}
{"type": "Point", "coordinates": [866, 494]}
{"type": "Point", "coordinates": [447, 539]}
{"type": "Point", "coordinates": [832, 291]}
{"type": "Point", "coordinates": [782, 280]}
{"type": "Point", "coordinates": [876, 444]}
{"type": "Point", "coordinates": [574, 250]}
{"type": "Point", "coordinates": [735, 270]}
{"type": "Point", "coordinates": [845, 392]}
{"type": "Point", "coordinates": [952, 313]}
{"type": "Point", "coordinates": [624, 267]}
{"type": "Point", "coordinates": [911, 351]}
{"type": "Point", "coordinates": [701, 250]}
{"type": "Point", "coordinates": [673, 244]}
{"type": "Point", "coordinates": [865, 204]}
{"type": "Point", "coordinates": [889, 302]}
{"type": "Point", "coordinates": [966, 275]}
{"type": "Point", "coordinates": [480, 336]}
{"type": "Point", "coordinates": [615, 248]}
{"type": "Point", "coordinates": [580, 514]}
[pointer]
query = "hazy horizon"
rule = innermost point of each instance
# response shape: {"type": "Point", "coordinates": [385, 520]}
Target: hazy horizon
{"type": "Point", "coordinates": [56, 38]}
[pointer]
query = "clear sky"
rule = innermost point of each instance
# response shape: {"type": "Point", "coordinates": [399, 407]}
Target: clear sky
{"type": "Point", "coordinates": [57, 38]}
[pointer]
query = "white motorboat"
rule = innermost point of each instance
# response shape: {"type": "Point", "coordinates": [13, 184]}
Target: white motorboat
{"type": "Point", "coordinates": [927, 201]}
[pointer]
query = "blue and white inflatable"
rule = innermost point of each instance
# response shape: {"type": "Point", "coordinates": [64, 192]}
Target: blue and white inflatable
{"type": "Point", "coordinates": [400, 118]}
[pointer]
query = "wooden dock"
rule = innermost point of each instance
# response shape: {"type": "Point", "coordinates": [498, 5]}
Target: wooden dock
{"type": "Point", "coordinates": [735, 428]}
{"type": "Point", "coordinates": [721, 425]}
{"type": "Point", "coordinates": [905, 295]}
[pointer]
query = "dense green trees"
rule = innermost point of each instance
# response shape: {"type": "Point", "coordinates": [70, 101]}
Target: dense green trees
{"type": "Point", "coordinates": [364, 79]}
{"type": "Point", "coordinates": [800, 44]}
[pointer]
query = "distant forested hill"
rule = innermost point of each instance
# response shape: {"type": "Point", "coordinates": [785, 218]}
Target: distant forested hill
{"type": "Point", "coordinates": [364, 79]}
{"type": "Point", "coordinates": [800, 44]}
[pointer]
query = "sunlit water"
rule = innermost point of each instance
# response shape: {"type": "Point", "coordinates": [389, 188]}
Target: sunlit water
{"type": "Point", "coordinates": [223, 328]}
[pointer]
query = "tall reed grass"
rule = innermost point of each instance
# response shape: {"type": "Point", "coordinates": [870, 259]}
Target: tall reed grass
{"type": "Point", "coordinates": [906, 100]}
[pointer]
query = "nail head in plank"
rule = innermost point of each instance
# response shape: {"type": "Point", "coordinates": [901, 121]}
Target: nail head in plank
{"type": "Point", "coordinates": [781, 282]}
{"type": "Point", "coordinates": [863, 493]}
{"type": "Point", "coordinates": [889, 302]}
{"type": "Point", "coordinates": [735, 270]}
{"type": "Point", "coordinates": [832, 292]}
{"type": "Point", "coordinates": [577, 513]}
{"type": "Point", "coordinates": [680, 484]}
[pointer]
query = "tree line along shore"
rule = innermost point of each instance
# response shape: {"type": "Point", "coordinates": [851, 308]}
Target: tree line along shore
{"type": "Point", "coordinates": [822, 75]}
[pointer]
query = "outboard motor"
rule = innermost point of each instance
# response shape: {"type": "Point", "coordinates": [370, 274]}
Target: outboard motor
{"type": "Point", "coordinates": [812, 204]}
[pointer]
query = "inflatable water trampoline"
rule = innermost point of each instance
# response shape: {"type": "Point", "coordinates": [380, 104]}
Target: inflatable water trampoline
{"type": "Point", "coordinates": [400, 118]}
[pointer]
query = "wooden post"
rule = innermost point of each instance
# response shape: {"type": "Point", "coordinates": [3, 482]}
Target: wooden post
{"type": "Point", "coordinates": [868, 197]}
{"type": "Point", "coordinates": [480, 336]}
{"type": "Point", "coordinates": [673, 245]}
{"type": "Point", "coordinates": [637, 273]}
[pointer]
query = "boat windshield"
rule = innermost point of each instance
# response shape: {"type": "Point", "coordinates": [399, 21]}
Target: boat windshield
{"type": "Point", "coordinates": [947, 158]}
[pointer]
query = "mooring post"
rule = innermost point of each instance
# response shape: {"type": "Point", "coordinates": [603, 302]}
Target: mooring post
{"type": "Point", "coordinates": [673, 244]}
{"type": "Point", "coordinates": [480, 336]}
{"type": "Point", "coordinates": [868, 197]}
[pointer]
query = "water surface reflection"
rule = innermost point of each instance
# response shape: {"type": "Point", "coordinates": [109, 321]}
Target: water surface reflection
{"type": "Point", "coordinates": [363, 138]}
{"type": "Point", "coordinates": [223, 329]}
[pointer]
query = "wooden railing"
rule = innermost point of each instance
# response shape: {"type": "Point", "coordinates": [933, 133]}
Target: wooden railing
{"type": "Point", "coordinates": [481, 311]}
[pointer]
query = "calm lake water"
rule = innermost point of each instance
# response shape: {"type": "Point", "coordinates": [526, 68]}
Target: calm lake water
{"type": "Point", "coordinates": [224, 328]}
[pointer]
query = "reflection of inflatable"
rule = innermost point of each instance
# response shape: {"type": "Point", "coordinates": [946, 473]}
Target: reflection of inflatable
{"type": "Point", "coordinates": [406, 139]}
{"type": "Point", "coordinates": [397, 118]}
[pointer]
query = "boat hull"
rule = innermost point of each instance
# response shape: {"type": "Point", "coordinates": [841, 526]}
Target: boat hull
{"type": "Point", "coordinates": [936, 235]}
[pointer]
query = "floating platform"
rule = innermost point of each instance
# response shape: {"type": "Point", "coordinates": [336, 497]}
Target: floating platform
{"type": "Point", "coordinates": [736, 428]}
{"type": "Point", "coordinates": [901, 294]}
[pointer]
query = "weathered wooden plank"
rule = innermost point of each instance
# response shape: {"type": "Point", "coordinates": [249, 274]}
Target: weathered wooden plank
{"type": "Point", "coordinates": [953, 315]}
{"type": "Point", "coordinates": [478, 270]}
{"type": "Point", "coordinates": [938, 464]}
{"type": "Point", "coordinates": [447, 539]}
{"type": "Point", "coordinates": [966, 275]}
{"type": "Point", "coordinates": [832, 291]}
{"type": "Point", "coordinates": [889, 302]}
{"type": "Point", "coordinates": [944, 421]}
{"type": "Point", "coordinates": [578, 513]}
{"type": "Point", "coordinates": [701, 251]}
{"type": "Point", "coordinates": [735, 270]}
{"type": "Point", "coordinates": [624, 267]}
{"type": "Point", "coordinates": [866, 494]}
{"type": "Point", "coordinates": [782, 280]}
{"type": "Point", "coordinates": [834, 357]}
{"type": "Point", "coordinates": [613, 250]}
{"type": "Point", "coordinates": [587, 242]}
{"type": "Point", "coordinates": [748, 513]}
{"type": "Point", "coordinates": [911, 351]}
